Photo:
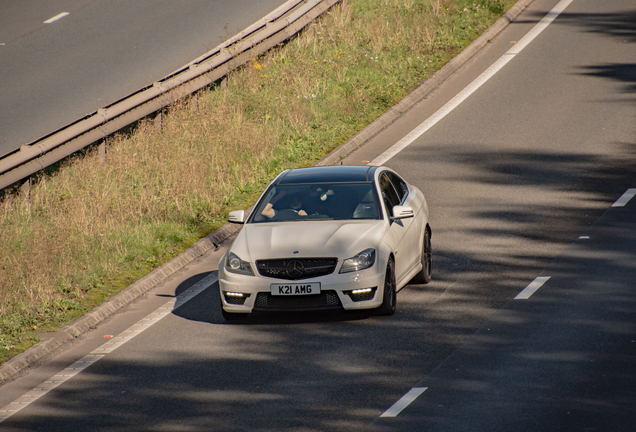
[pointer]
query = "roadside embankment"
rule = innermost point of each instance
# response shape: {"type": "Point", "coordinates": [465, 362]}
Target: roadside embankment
{"type": "Point", "coordinates": [91, 227]}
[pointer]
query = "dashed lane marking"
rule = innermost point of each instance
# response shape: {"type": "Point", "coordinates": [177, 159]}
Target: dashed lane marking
{"type": "Point", "coordinates": [404, 401]}
{"type": "Point", "coordinates": [56, 17]}
{"type": "Point", "coordinates": [624, 199]}
{"type": "Point", "coordinates": [532, 288]}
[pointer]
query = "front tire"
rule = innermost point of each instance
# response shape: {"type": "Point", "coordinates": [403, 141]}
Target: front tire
{"type": "Point", "coordinates": [390, 294]}
{"type": "Point", "coordinates": [424, 276]}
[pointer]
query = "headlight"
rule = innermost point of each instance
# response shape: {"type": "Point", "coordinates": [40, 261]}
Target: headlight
{"type": "Point", "coordinates": [363, 260]}
{"type": "Point", "coordinates": [234, 264]}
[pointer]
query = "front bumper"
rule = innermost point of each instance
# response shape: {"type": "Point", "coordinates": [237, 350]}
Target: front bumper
{"type": "Point", "coordinates": [244, 294]}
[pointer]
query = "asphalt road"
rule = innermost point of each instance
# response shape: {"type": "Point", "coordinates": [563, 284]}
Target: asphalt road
{"type": "Point", "coordinates": [563, 359]}
{"type": "Point", "coordinates": [514, 175]}
{"type": "Point", "coordinates": [54, 74]}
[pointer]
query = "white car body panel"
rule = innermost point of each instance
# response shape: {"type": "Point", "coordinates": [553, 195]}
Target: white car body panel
{"type": "Point", "coordinates": [307, 238]}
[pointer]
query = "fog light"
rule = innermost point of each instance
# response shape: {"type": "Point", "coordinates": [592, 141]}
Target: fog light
{"type": "Point", "coordinates": [361, 291]}
{"type": "Point", "coordinates": [362, 294]}
{"type": "Point", "coordinates": [235, 298]}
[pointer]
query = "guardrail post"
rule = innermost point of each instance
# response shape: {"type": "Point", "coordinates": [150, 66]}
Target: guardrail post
{"type": "Point", "coordinates": [223, 82]}
{"type": "Point", "coordinates": [158, 120]}
{"type": "Point", "coordinates": [101, 151]}
{"type": "Point", "coordinates": [194, 101]}
{"type": "Point", "coordinates": [25, 189]}
{"type": "Point", "coordinates": [310, 30]}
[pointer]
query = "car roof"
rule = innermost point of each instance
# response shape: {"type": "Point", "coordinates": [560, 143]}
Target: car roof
{"type": "Point", "coordinates": [328, 174]}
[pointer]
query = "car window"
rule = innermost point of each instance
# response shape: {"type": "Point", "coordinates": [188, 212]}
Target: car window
{"type": "Point", "coordinates": [337, 201]}
{"type": "Point", "coordinates": [400, 186]}
{"type": "Point", "coordinates": [390, 196]}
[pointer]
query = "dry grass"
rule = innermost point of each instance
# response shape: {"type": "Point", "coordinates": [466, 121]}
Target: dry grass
{"type": "Point", "coordinates": [90, 228]}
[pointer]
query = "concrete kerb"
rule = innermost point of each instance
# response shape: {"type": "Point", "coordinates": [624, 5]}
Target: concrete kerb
{"type": "Point", "coordinates": [49, 347]}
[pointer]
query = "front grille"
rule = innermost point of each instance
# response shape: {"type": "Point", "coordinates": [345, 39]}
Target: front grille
{"type": "Point", "coordinates": [296, 268]}
{"type": "Point", "coordinates": [324, 300]}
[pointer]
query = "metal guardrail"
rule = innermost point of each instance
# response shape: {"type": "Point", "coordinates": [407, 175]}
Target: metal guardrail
{"type": "Point", "coordinates": [266, 33]}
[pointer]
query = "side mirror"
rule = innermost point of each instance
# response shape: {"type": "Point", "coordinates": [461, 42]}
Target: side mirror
{"type": "Point", "coordinates": [236, 216]}
{"type": "Point", "coordinates": [402, 212]}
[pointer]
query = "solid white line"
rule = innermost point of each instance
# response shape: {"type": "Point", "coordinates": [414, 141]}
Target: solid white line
{"type": "Point", "coordinates": [114, 343]}
{"type": "Point", "coordinates": [532, 288]}
{"type": "Point", "coordinates": [472, 87]}
{"type": "Point", "coordinates": [624, 199]}
{"type": "Point", "coordinates": [404, 402]}
{"type": "Point", "coordinates": [56, 17]}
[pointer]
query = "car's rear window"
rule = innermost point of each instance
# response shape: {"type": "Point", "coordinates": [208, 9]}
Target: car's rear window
{"type": "Point", "coordinates": [338, 201]}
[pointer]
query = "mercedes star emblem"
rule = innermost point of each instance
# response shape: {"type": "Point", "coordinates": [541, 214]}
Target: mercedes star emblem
{"type": "Point", "coordinates": [295, 269]}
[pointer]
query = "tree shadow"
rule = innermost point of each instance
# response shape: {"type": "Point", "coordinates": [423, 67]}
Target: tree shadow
{"type": "Point", "coordinates": [294, 372]}
{"type": "Point", "coordinates": [561, 360]}
{"type": "Point", "coordinates": [621, 24]}
{"type": "Point", "coordinates": [622, 72]}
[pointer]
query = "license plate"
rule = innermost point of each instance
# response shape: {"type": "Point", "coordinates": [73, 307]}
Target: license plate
{"type": "Point", "coordinates": [295, 289]}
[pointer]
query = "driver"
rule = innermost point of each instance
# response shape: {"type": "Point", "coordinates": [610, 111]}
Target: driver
{"type": "Point", "coordinates": [296, 205]}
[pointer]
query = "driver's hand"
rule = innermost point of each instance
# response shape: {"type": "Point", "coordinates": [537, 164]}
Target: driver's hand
{"type": "Point", "coordinates": [302, 212]}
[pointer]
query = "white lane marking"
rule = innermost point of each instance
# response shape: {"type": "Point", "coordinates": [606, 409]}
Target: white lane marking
{"type": "Point", "coordinates": [114, 343]}
{"type": "Point", "coordinates": [56, 17]}
{"type": "Point", "coordinates": [532, 288]}
{"type": "Point", "coordinates": [624, 199]}
{"type": "Point", "coordinates": [404, 402]}
{"type": "Point", "coordinates": [472, 87]}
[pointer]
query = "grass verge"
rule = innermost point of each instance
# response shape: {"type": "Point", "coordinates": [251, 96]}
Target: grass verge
{"type": "Point", "coordinates": [90, 228]}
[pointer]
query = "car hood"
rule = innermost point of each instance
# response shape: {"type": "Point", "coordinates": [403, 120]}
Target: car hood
{"type": "Point", "coordinates": [341, 239]}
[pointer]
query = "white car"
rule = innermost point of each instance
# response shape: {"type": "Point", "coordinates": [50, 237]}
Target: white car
{"type": "Point", "coordinates": [338, 237]}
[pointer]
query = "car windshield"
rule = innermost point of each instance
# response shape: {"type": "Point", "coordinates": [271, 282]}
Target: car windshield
{"type": "Point", "coordinates": [298, 202]}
